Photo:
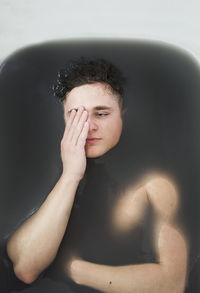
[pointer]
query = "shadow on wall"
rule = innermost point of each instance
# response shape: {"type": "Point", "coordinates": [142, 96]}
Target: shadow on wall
{"type": "Point", "coordinates": [161, 130]}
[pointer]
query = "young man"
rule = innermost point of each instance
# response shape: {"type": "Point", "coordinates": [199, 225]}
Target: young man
{"type": "Point", "coordinates": [92, 93]}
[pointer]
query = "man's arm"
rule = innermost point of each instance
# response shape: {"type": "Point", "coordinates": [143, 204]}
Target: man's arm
{"type": "Point", "coordinates": [166, 276]}
{"type": "Point", "coordinates": [35, 244]}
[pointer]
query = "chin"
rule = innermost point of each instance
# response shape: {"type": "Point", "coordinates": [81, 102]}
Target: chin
{"type": "Point", "coordinates": [92, 153]}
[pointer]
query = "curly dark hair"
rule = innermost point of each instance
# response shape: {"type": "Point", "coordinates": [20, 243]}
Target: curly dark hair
{"type": "Point", "coordinates": [83, 71]}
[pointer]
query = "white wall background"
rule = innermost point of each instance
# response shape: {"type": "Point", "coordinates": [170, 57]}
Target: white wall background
{"type": "Point", "coordinates": [26, 22]}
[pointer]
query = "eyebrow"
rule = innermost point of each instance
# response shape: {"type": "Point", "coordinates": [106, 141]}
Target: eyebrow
{"type": "Point", "coordinates": [100, 107]}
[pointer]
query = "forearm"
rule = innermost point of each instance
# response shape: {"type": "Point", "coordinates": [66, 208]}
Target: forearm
{"type": "Point", "coordinates": [145, 278]}
{"type": "Point", "coordinates": [34, 245]}
{"type": "Point", "coordinates": [167, 276]}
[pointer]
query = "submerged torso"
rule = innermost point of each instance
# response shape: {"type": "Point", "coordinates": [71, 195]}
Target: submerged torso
{"type": "Point", "coordinates": [90, 234]}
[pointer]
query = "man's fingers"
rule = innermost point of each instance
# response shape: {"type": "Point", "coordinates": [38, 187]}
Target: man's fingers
{"type": "Point", "coordinates": [83, 135]}
{"type": "Point", "coordinates": [79, 127]}
{"type": "Point", "coordinates": [74, 123]}
{"type": "Point", "coordinates": [69, 123]}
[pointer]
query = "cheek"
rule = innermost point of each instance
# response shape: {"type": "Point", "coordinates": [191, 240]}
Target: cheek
{"type": "Point", "coordinates": [114, 129]}
{"type": "Point", "coordinates": [117, 133]}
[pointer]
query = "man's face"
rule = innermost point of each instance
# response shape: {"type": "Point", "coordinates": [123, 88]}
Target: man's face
{"type": "Point", "coordinates": [104, 116]}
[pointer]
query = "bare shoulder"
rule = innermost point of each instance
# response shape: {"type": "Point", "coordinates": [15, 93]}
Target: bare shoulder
{"type": "Point", "coordinates": [162, 193]}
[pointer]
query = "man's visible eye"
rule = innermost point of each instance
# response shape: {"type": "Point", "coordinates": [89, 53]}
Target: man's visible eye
{"type": "Point", "coordinates": [102, 114]}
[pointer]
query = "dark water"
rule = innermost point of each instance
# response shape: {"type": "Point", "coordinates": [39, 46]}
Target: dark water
{"type": "Point", "coordinates": [161, 129]}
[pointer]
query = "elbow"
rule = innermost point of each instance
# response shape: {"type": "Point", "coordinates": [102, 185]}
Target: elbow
{"type": "Point", "coordinates": [176, 287]}
{"type": "Point", "coordinates": [20, 270]}
{"type": "Point", "coordinates": [174, 281]}
{"type": "Point", "coordinates": [179, 283]}
{"type": "Point", "coordinates": [24, 275]}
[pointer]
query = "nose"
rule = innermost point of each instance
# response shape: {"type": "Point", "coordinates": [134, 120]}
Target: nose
{"type": "Point", "coordinates": [92, 124]}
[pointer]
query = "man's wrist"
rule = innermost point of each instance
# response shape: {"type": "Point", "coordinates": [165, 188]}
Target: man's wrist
{"type": "Point", "coordinates": [69, 178]}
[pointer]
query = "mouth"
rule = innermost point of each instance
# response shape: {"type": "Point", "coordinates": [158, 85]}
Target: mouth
{"type": "Point", "coordinates": [92, 140]}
